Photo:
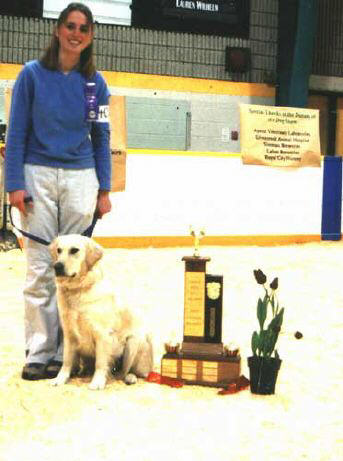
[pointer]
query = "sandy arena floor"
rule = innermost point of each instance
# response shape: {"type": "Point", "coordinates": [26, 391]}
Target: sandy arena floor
{"type": "Point", "coordinates": [150, 422]}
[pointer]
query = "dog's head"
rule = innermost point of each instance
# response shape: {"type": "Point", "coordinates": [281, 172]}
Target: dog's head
{"type": "Point", "coordinates": [74, 255]}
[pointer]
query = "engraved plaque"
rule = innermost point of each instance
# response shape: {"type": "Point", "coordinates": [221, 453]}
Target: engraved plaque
{"type": "Point", "coordinates": [210, 371]}
{"type": "Point", "coordinates": [169, 368]}
{"type": "Point", "coordinates": [194, 312]}
{"type": "Point", "coordinates": [194, 298]}
{"type": "Point", "coordinates": [189, 369]}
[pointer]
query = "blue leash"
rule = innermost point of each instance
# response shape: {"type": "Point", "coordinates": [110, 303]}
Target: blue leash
{"type": "Point", "coordinates": [87, 233]}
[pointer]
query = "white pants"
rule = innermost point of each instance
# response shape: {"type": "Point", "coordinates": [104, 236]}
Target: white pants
{"type": "Point", "coordinates": [64, 202]}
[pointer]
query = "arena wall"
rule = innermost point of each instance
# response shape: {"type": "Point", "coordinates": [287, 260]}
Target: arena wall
{"type": "Point", "coordinates": [167, 190]}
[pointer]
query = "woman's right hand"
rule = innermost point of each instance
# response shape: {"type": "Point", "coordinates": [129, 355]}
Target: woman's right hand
{"type": "Point", "coordinates": [16, 199]}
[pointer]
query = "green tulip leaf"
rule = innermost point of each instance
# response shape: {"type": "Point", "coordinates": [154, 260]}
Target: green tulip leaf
{"type": "Point", "coordinates": [255, 342]}
{"type": "Point", "coordinates": [262, 311]}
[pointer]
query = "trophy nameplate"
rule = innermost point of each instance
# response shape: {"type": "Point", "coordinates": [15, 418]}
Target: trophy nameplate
{"type": "Point", "coordinates": [202, 358]}
{"type": "Point", "coordinates": [194, 299]}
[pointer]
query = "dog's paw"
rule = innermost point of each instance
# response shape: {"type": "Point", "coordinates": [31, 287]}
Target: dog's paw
{"type": "Point", "coordinates": [130, 379]}
{"type": "Point", "coordinates": [60, 379]}
{"type": "Point", "coordinates": [97, 383]}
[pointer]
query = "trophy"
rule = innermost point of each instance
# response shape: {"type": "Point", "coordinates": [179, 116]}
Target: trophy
{"type": "Point", "coordinates": [202, 359]}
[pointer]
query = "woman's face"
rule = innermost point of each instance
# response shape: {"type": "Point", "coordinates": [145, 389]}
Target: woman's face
{"type": "Point", "coordinates": [75, 34]}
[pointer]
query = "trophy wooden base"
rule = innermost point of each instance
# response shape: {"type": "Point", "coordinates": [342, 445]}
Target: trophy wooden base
{"type": "Point", "coordinates": [201, 369]}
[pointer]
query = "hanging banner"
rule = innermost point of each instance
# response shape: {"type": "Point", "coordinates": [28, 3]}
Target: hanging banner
{"type": "Point", "coordinates": [279, 136]}
{"type": "Point", "coordinates": [213, 17]}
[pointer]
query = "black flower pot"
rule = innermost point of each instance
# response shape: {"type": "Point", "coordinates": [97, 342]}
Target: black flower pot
{"type": "Point", "coordinates": [263, 374]}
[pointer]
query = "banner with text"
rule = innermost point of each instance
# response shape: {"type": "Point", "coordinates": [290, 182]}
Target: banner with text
{"type": "Point", "coordinates": [214, 17]}
{"type": "Point", "coordinates": [279, 136]}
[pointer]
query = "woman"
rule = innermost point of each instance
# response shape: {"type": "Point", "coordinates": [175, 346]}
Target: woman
{"type": "Point", "coordinates": [61, 161]}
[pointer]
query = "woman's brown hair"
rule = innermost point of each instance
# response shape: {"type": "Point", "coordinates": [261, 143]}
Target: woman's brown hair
{"type": "Point", "coordinates": [50, 57]}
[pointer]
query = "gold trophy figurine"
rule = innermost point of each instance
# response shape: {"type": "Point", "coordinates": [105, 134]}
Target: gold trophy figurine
{"type": "Point", "coordinates": [197, 237]}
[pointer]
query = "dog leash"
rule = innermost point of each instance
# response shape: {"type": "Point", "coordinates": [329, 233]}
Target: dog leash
{"type": "Point", "coordinates": [87, 233]}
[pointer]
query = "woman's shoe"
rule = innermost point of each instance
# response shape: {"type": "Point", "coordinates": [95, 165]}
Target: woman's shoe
{"type": "Point", "coordinates": [52, 369]}
{"type": "Point", "coordinates": [34, 371]}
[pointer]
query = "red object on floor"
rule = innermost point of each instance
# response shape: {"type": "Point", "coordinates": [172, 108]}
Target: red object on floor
{"type": "Point", "coordinates": [154, 377]}
{"type": "Point", "coordinates": [240, 384]}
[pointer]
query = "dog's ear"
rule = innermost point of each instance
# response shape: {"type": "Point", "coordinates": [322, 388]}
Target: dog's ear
{"type": "Point", "coordinates": [94, 252]}
{"type": "Point", "coordinates": [53, 250]}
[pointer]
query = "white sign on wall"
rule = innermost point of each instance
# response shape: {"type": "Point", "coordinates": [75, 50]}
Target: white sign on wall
{"type": "Point", "coordinates": [280, 136]}
{"type": "Point", "coordinates": [104, 11]}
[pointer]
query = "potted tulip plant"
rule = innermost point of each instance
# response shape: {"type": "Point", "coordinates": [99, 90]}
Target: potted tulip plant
{"type": "Point", "coordinates": [265, 362]}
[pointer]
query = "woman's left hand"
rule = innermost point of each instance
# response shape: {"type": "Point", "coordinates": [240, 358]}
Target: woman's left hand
{"type": "Point", "coordinates": [103, 205]}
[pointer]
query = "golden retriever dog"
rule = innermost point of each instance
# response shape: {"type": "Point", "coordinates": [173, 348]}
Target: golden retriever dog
{"type": "Point", "coordinates": [94, 326]}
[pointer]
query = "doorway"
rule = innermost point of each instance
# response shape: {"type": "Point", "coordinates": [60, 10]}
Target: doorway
{"type": "Point", "coordinates": [330, 107]}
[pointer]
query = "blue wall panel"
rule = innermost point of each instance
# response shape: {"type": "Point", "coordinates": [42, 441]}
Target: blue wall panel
{"type": "Point", "coordinates": [332, 198]}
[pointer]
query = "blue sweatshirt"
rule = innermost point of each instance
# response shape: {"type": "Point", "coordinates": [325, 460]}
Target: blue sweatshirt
{"type": "Point", "coordinates": [47, 125]}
